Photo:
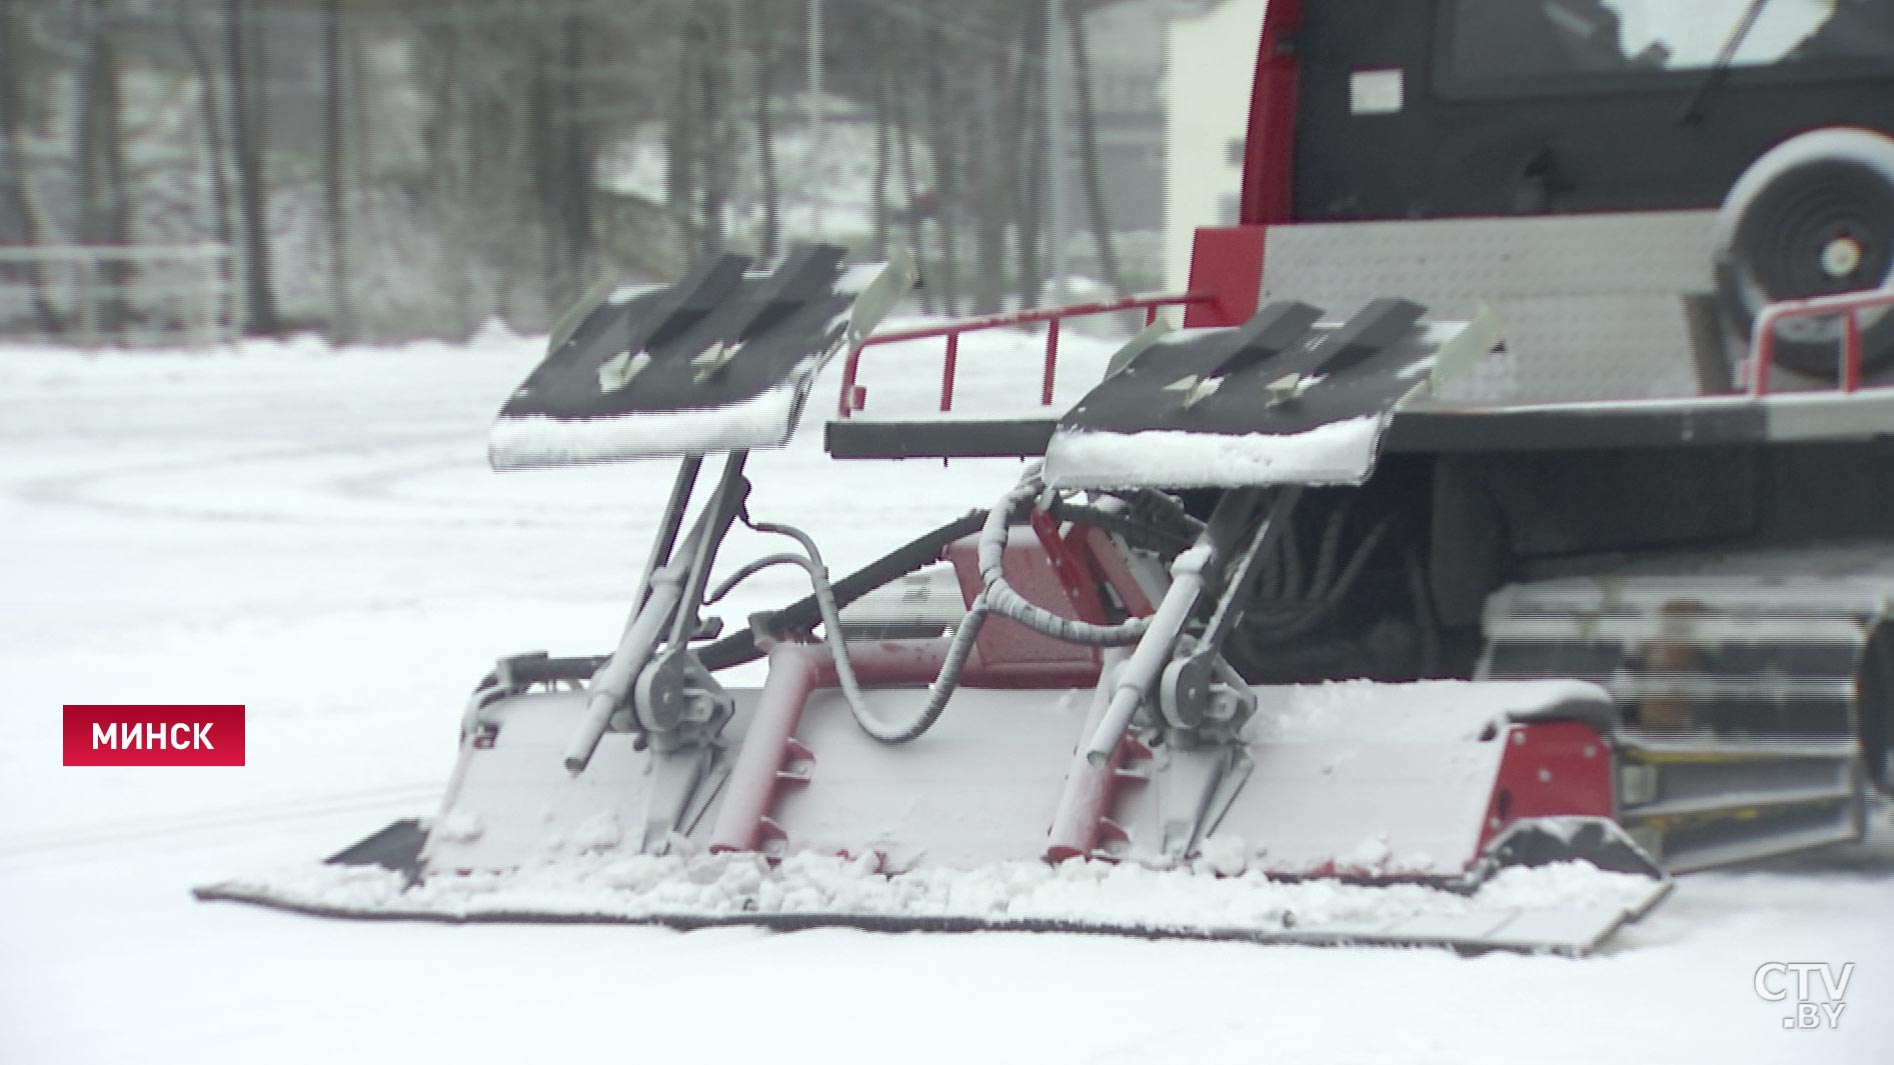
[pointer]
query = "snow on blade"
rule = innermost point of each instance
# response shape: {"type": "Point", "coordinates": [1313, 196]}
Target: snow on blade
{"type": "Point", "coordinates": [627, 293]}
{"type": "Point", "coordinates": [1428, 710]}
{"type": "Point", "coordinates": [762, 421]}
{"type": "Point", "coordinates": [854, 280]}
{"type": "Point", "coordinates": [1079, 895]}
{"type": "Point", "coordinates": [1340, 452]}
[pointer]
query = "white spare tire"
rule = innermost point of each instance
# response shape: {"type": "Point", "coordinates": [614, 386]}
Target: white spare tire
{"type": "Point", "coordinates": [1814, 216]}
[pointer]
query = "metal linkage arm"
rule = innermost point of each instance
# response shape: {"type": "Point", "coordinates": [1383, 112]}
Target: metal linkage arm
{"type": "Point", "coordinates": [1223, 559]}
{"type": "Point", "coordinates": [1188, 691]}
{"type": "Point", "coordinates": [713, 525]}
{"type": "Point", "coordinates": [670, 599]}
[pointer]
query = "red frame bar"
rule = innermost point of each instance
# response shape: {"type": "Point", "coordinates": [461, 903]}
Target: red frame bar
{"type": "Point", "coordinates": [1267, 193]}
{"type": "Point", "coordinates": [1848, 304]}
{"type": "Point", "coordinates": [1851, 351]}
{"type": "Point", "coordinates": [949, 367]}
{"type": "Point", "coordinates": [853, 398]}
{"type": "Point", "coordinates": [1052, 362]}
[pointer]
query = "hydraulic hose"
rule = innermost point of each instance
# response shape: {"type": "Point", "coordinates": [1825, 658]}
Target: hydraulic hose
{"type": "Point", "coordinates": [996, 596]}
{"type": "Point", "coordinates": [740, 647]}
{"type": "Point", "coordinates": [1003, 600]}
{"type": "Point", "coordinates": [938, 693]}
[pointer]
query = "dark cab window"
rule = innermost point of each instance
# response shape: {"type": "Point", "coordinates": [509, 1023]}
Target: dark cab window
{"type": "Point", "coordinates": [1503, 46]}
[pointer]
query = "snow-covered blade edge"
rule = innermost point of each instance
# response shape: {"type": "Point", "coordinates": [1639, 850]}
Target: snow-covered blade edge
{"type": "Point", "coordinates": [1561, 908]}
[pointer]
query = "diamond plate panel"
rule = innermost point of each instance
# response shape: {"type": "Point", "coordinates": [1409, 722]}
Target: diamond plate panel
{"type": "Point", "coordinates": [1583, 347]}
{"type": "Point", "coordinates": [1592, 305]}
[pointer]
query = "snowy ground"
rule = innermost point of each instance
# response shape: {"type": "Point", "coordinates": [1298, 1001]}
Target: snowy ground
{"type": "Point", "coordinates": [314, 534]}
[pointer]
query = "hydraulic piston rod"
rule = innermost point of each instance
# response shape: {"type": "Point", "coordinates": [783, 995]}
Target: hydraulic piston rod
{"type": "Point", "coordinates": [668, 601]}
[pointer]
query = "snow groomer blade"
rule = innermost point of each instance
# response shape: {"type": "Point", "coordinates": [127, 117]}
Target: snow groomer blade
{"type": "Point", "coordinates": [720, 361]}
{"type": "Point", "coordinates": [1282, 399]}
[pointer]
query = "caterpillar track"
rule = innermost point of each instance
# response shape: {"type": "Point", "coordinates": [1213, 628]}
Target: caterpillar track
{"type": "Point", "coordinates": [1755, 695]}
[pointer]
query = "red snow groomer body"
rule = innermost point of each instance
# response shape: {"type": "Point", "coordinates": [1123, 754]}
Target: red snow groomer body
{"type": "Point", "coordinates": [1510, 525]}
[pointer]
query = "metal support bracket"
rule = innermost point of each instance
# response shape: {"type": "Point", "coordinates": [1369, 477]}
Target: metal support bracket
{"type": "Point", "coordinates": [654, 684]}
{"type": "Point", "coordinates": [684, 780]}
{"type": "Point", "coordinates": [1179, 686]}
{"type": "Point", "coordinates": [1195, 787]}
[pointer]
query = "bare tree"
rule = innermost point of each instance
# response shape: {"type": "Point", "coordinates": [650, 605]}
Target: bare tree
{"type": "Point", "coordinates": [539, 141]}
{"type": "Point", "coordinates": [104, 214]}
{"type": "Point", "coordinates": [210, 118]}
{"type": "Point", "coordinates": [946, 160]}
{"type": "Point", "coordinates": [765, 63]}
{"type": "Point", "coordinates": [884, 146]}
{"type": "Point", "coordinates": [990, 184]}
{"type": "Point", "coordinates": [910, 180]}
{"type": "Point", "coordinates": [243, 59]}
{"type": "Point", "coordinates": [1029, 158]}
{"type": "Point", "coordinates": [680, 144]}
{"type": "Point", "coordinates": [514, 104]}
{"type": "Point", "coordinates": [341, 309]}
{"type": "Point", "coordinates": [13, 178]}
{"type": "Point", "coordinates": [1088, 152]}
{"type": "Point", "coordinates": [707, 38]}
{"type": "Point", "coordinates": [572, 203]}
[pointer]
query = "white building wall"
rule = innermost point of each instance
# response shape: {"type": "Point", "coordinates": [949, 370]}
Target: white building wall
{"type": "Point", "coordinates": [1209, 65]}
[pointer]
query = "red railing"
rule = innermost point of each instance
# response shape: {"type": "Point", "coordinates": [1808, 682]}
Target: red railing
{"type": "Point", "coordinates": [854, 396]}
{"type": "Point", "coordinates": [1848, 304]}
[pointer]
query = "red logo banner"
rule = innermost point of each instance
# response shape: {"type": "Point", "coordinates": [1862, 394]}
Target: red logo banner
{"type": "Point", "coordinates": [154, 735]}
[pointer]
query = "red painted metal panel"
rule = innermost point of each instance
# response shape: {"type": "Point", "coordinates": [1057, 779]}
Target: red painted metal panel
{"type": "Point", "coordinates": [1269, 150]}
{"type": "Point", "coordinates": [796, 671]}
{"type": "Point", "coordinates": [1551, 769]}
{"type": "Point", "coordinates": [1097, 544]}
{"type": "Point", "coordinates": [1226, 265]}
{"type": "Point", "coordinates": [1070, 567]}
{"type": "Point", "coordinates": [1032, 575]}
